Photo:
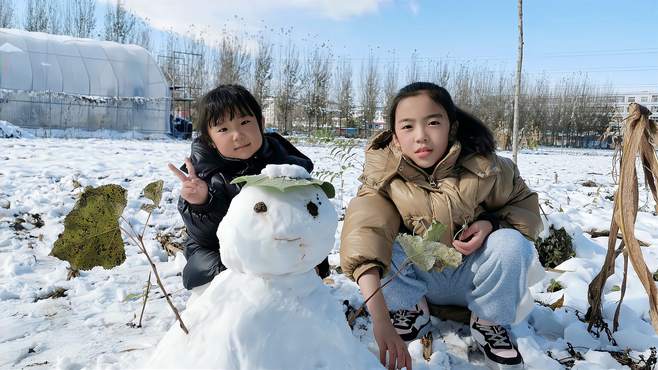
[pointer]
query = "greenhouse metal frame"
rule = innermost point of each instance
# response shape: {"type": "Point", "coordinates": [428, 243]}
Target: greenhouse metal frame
{"type": "Point", "coordinates": [58, 85]}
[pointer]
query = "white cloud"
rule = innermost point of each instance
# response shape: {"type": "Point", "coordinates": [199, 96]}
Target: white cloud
{"type": "Point", "coordinates": [414, 6]}
{"type": "Point", "coordinates": [213, 16]}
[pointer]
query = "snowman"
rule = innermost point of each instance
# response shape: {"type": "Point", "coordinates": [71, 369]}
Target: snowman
{"type": "Point", "coordinates": [269, 309]}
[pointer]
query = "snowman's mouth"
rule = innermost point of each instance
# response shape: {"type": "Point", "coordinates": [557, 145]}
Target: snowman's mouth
{"type": "Point", "coordinates": [288, 239]}
{"type": "Point", "coordinates": [297, 239]}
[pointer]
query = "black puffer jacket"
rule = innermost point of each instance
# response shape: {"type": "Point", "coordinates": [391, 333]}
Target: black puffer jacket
{"type": "Point", "coordinates": [201, 221]}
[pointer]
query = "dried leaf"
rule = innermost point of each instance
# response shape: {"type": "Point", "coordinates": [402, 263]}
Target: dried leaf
{"type": "Point", "coordinates": [426, 341]}
{"type": "Point", "coordinates": [153, 191]}
{"type": "Point", "coordinates": [636, 141]}
{"type": "Point", "coordinates": [148, 207]}
{"type": "Point", "coordinates": [92, 236]}
{"type": "Point", "coordinates": [557, 304]}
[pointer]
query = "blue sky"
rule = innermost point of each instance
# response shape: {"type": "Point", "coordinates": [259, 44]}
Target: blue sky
{"type": "Point", "coordinates": [613, 42]}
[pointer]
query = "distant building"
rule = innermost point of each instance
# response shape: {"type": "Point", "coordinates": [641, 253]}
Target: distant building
{"type": "Point", "coordinates": [269, 112]}
{"type": "Point", "coordinates": [645, 98]}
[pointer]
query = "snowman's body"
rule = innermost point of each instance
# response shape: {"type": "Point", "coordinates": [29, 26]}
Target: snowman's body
{"type": "Point", "coordinates": [268, 310]}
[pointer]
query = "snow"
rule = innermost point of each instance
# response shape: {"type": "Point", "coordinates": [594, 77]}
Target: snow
{"type": "Point", "coordinates": [8, 130]}
{"type": "Point", "coordinates": [10, 48]}
{"type": "Point", "coordinates": [286, 170]}
{"type": "Point", "coordinates": [87, 327]}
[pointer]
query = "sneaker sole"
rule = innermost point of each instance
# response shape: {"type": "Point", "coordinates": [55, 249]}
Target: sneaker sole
{"type": "Point", "coordinates": [421, 332]}
{"type": "Point", "coordinates": [495, 365]}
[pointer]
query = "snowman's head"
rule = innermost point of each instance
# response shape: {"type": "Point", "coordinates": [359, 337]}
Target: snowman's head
{"type": "Point", "coordinates": [282, 222]}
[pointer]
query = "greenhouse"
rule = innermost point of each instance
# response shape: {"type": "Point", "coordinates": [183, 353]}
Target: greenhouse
{"type": "Point", "coordinates": [63, 86]}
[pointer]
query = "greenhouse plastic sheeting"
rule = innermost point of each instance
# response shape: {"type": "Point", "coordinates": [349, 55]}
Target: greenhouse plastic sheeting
{"type": "Point", "coordinates": [60, 82]}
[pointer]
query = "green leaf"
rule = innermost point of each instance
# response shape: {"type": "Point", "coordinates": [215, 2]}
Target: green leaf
{"type": "Point", "coordinates": [428, 254]}
{"type": "Point", "coordinates": [554, 286]}
{"type": "Point", "coordinates": [615, 288]}
{"type": "Point", "coordinates": [153, 191]}
{"type": "Point", "coordinates": [446, 257]}
{"type": "Point", "coordinates": [414, 247]}
{"type": "Point", "coordinates": [435, 232]}
{"type": "Point", "coordinates": [284, 183]}
{"type": "Point", "coordinates": [133, 296]}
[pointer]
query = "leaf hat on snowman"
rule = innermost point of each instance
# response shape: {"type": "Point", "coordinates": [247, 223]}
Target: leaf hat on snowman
{"type": "Point", "coordinates": [284, 177]}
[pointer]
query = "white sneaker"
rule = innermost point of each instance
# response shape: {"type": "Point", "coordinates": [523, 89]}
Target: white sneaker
{"type": "Point", "coordinates": [414, 323]}
{"type": "Point", "coordinates": [496, 345]}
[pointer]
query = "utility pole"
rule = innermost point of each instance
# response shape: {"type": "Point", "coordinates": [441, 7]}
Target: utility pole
{"type": "Point", "coordinates": [517, 92]}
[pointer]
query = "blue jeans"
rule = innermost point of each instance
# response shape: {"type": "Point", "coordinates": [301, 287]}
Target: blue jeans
{"type": "Point", "coordinates": [491, 282]}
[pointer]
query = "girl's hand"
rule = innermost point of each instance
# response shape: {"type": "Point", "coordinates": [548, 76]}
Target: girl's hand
{"type": "Point", "coordinates": [477, 232]}
{"type": "Point", "coordinates": [388, 340]}
{"type": "Point", "coordinates": [194, 190]}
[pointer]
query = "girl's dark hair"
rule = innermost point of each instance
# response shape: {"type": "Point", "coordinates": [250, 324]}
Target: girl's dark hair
{"type": "Point", "coordinates": [473, 134]}
{"type": "Point", "coordinates": [223, 101]}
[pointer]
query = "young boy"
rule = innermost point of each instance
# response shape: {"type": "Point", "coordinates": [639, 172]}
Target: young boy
{"type": "Point", "coordinates": [231, 144]}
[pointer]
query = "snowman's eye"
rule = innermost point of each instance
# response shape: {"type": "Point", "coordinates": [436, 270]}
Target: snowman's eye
{"type": "Point", "coordinates": [312, 208]}
{"type": "Point", "coordinates": [260, 207]}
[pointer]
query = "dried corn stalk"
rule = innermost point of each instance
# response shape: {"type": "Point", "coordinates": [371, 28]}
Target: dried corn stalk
{"type": "Point", "coordinates": [638, 138]}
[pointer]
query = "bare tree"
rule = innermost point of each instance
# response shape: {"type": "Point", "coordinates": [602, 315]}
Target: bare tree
{"type": "Point", "coordinates": [390, 87]}
{"type": "Point", "coordinates": [413, 72]}
{"type": "Point", "coordinates": [316, 77]}
{"type": "Point", "coordinates": [80, 18]}
{"type": "Point", "coordinates": [287, 88]}
{"type": "Point", "coordinates": [233, 61]}
{"type": "Point", "coordinates": [262, 72]}
{"type": "Point", "coordinates": [55, 17]}
{"type": "Point", "coordinates": [120, 24]}
{"type": "Point", "coordinates": [517, 92]}
{"type": "Point", "coordinates": [142, 34]}
{"type": "Point", "coordinates": [36, 16]}
{"type": "Point", "coordinates": [6, 13]}
{"type": "Point", "coordinates": [463, 87]}
{"type": "Point", "coordinates": [438, 72]}
{"type": "Point", "coordinates": [369, 92]}
{"type": "Point", "coordinates": [167, 57]}
{"type": "Point", "coordinates": [196, 47]}
{"type": "Point", "coordinates": [345, 96]}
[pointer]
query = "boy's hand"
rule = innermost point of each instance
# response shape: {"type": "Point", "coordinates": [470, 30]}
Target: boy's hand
{"type": "Point", "coordinates": [389, 341]}
{"type": "Point", "coordinates": [194, 190]}
{"type": "Point", "coordinates": [477, 232]}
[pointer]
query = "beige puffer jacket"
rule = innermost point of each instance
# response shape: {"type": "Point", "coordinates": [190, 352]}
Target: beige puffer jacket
{"type": "Point", "coordinates": [394, 191]}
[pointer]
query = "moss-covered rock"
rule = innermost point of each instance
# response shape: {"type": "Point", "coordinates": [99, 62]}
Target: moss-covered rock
{"type": "Point", "coordinates": [92, 236]}
{"type": "Point", "coordinates": [556, 248]}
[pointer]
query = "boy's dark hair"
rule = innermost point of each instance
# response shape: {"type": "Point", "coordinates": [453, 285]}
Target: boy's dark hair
{"type": "Point", "coordinates": [231, 100]}
{"type": "Point", "coordinates": [473, 134]}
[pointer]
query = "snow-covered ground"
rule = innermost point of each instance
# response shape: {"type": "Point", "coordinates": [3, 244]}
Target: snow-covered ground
{"type": "Point", "coordinates": [90, 326]}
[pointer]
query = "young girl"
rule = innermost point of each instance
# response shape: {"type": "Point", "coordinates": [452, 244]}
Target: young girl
{"type": "Point", "coordinates": [437, 163]}
{"type": "Point", "coordinates": [231, 144]}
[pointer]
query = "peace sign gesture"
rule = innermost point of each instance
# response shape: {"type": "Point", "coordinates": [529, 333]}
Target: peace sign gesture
{"type": "Point", "coordinates": [194, 190]}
